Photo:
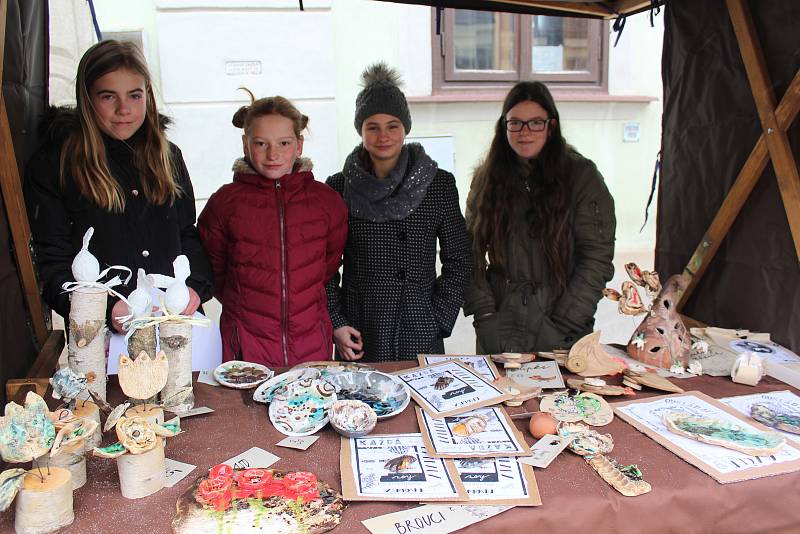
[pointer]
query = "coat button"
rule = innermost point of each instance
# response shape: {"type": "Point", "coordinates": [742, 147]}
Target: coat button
{"type": "Point", "coordinates": [135, 192]}
{"type": "Point", "coordinates": [145, 253]}
{"type": "Point", "coordinates": [402, 235]}
{"type": "Point", "coordinates": [401, 274]}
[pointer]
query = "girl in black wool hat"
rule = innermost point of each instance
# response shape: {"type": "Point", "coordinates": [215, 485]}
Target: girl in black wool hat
{"type": "Point", "coordinates": [391, 304]}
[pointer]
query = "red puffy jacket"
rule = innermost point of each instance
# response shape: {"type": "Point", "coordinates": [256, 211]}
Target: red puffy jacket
{"type": "Point", "coordinates": [273, 244]}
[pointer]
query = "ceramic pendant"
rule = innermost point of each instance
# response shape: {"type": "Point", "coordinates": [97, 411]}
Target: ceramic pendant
{"type": "Point", "coordinates": [143, 377]}
{"type": "Point", "coordinates": [26, 432]}
{"type": "Point", "coordinates": [400, 463]}
{"type": "Point", "coordinates": [625, 479]}
{"type": "Point", "coordinates": [67, 384]}
{"type": "Point", "coordinates": [471, 425]}
{"type": "Point", "coordinates": [585, 441]}
{"type": "Point", "coordinates": [630, 303]}
{"type": "Point", "coordinates": [612, 294]}
{"type": "Point", "coordinates": [85, 267]}
{"type": "Point", "coordinates": [651, 282]}
{"type": "Point", "coordinates": [724, 434]}
{"type": "Point", "coordinates": [10, 482]}
{"type": "Point", "coordinates": [177, 294]}
{"type": "Point", "coordinates": [634, 273]}
{"type": "Point", "coordinates": [776, 417]}
{"type": "Point", "coordinates": [140, 301]}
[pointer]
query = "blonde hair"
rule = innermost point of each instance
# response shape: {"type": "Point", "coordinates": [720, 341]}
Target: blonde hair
{"type": "Point", "coordinates": [84, 153]}
{"type": "Point", "coordinates": [273, 105]}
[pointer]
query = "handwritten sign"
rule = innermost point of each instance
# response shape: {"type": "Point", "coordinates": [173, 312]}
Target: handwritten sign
{"type": "Point", "coordinates": [176, 471]}
{"type": "Point", "coordinates": [253, 457]}
{"type": "Point", "coordinates": [431, 519]}
{"type": "Point", "coordinates": [207, 377]}
{"type": "Point", "coordinates": [298, 442]}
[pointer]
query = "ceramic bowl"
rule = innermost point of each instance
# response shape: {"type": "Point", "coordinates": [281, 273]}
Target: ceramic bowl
{"type": "Point", "coordinates": [265, 392]}
{"type": "Point", "coordinates": [387, 395]}
{"type": "Point", "coordinates": [242, 375]}
{"type": "Point", "coordinates": [299, 408]}
{"type": "Point", "coordinates": [352, 418]}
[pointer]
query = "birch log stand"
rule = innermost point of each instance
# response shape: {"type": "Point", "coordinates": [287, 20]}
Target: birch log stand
{"type": "Point", "coordinates": [143, 474]}
{"type": "Point", "coordinates": [176, 343]}
{"type": "Point", "coordinates": [86, 351]}
{"type": "Point", "coordinates": [44, 505]}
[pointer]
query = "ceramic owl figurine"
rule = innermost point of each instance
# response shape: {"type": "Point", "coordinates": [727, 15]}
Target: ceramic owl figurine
{"type": "Point", "coordinates": [85, 267]}
{"type": "Point", "coordinates": [140, 301]}
{"type": "Point", "coordinates": [177, 297]}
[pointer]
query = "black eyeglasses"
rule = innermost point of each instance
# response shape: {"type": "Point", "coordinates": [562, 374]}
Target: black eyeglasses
{"type": "Point", "coordinates": [534, 125]}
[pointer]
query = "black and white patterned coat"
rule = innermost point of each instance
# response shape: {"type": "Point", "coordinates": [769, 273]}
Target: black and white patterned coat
{"type": "Point", "coordinates": [389, 289]}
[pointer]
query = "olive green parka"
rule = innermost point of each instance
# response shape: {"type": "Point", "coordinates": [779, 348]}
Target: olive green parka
{"type": "Point", "coordinates": [523, 310]}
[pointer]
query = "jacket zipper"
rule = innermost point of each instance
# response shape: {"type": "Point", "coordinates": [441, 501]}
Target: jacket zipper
{"type": "Point", "coordinates": [282, 221]}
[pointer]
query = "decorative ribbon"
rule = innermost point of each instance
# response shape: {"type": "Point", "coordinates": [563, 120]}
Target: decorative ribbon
{"type": "Point", "coordinates": [106, 286]}
{"type": "Point", "coordinates": [130, 326]}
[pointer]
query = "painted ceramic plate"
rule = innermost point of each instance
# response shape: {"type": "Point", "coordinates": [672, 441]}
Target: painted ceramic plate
{"type": "Point", "coordinates": [386, 394]}
{"type": "Point", "coordinates": [242, 375]}
{"type": "Point", "coordinates": [299, 408]}
{"type": "Point", "coordinates": [329, 367]}
{"type": "Point", "coordinates": [267, 390]}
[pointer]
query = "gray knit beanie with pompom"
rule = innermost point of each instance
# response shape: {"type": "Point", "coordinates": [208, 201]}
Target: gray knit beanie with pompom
{"type": "Point", "coordinates": [381, 94]}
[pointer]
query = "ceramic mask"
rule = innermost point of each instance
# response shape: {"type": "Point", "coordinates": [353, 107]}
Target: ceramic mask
{"type": "Point", "coordinates": [85, 267]}
{"type": "Point", "coordinates": [662, 339]}
{"type": "Point", "coordinates": [177, 295]}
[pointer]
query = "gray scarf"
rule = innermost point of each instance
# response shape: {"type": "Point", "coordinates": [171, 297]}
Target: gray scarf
{"type": "Point", "coordinates": [395, 197]}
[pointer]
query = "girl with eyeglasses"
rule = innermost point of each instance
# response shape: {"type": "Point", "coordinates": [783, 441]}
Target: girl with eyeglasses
{"type": "Point", "coordinates": [542, 226]}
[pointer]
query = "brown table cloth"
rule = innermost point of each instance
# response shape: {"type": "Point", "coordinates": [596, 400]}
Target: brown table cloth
{"type": "Point", "coordinates": [575, 499]}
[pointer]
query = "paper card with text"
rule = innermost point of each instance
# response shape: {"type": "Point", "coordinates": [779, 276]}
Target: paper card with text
{"type": "Point", "coordinates": [298, 442]}
{"type": "Point", "coordinates": [498, 481]}
{"type": "Point", "coordinates": [176, 471]}
{"type": "Point", "coordinates": [482, 432]}
{"type": "Point", "coordinates": [253, 457]}
{"type": "Point", "coordinates": [431, 519]}
{"type": "Point", "coordinates": [450, 388]}
{"type": "Point", "coordinates": [545, 450]}
{"type": "Point", "coordinates": [483, 365]}
{"type": "Point", "coordinates": [396, 467]}
{"type": "Point", "coordinates": [207, 377]}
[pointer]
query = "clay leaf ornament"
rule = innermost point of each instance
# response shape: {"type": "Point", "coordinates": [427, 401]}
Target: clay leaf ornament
{"type": "Point", "coordinates": [73, 435]}
{"type": "Point", "coordinates": [662, 339]}
{"type": "Point", "coordinates": [775, 416]}
{"type": "Point", "coordinates": [177, 294]}
{"type": "Point", "coordinates": [587, 358]}
{"type": "Point", "coordinates": [10, 482]}
{"type": "Point", "coordinates": [625, 479]}
{"type": "Point", "coordinates": [85, 267]}
{"type": "Point", "coordinates": [26, 433]}
{"type": "Point", "coordinates": [143, 377]}
{"type": "Point", "coordinates": [724, 434]}
{"type": "Point", "coordinates": [140, 301]}
{"type": "Point", "coordinates": [114, 416]}
{"type": "Point", "coordinates": [67, 384]}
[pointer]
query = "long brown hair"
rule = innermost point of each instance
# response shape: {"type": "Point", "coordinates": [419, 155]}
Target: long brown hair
{"type": "Point", "coordinates": [493, 192]}
{"type": "Point", "coordinates": [272, 105]}
{"type": "Point", "coordinates": [84, 153]}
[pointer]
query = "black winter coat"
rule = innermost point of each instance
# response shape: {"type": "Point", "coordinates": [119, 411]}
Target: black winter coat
{"type": "Point", "coordinates": [390, 291]}
{"type": "Point", "coordinates": [144, 235]}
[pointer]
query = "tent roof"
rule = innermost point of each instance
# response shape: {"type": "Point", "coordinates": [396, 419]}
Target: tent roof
{"type": "Point", "coordinates": [598, 9]}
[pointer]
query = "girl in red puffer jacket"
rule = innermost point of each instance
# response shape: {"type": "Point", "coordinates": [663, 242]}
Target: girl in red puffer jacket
{"type": "Point", "coordinates": [274, 237]}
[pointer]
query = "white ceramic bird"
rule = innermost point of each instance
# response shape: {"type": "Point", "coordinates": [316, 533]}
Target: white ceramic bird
{"type": "Point", "coordinates": [85, 267]}
{"type": "Point", "coordinates": [177, 297]}
{"type": "Point", "coordinates": [140, 301]}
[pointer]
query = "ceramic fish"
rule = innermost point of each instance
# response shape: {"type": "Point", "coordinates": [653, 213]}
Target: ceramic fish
{"type": "Point", "coordinates": [400, 463]}
{"type": "Point", "coordinates": [724, 434]}
{"type": "Point", "coordinates": [612, 294]}
{"type": "Point", "coordinates": [26, 432]}
{"type": "Point", "coordinates": [85, 267]}
{"type": "Point", "coordinates": [442, 382]}
{"type": "Point", "coordinates": [471, 425]}
{"type": "Point", "coordinates": [10, 482]}
{"type": "Point", "coordinates": [143, 377]}
{"type": "Point", "coordinates": [140, 301]}
{"type": "Point", "coordinates": [73, 435]}
{"type": "Point", "coordinates": [85, 332]}
{"type": "Point", "coordinates": [177, 295]}
{"type": "Point", "coordinates": [631, 302]}
{"type": "Point", "coordinates": [774, 417]}
{"type": "Point", "coordinates": [67, 384]}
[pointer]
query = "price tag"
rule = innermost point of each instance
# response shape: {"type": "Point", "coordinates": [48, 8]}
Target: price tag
{"type": "Point", "coordinates": [254, 457]}
{"type": "Point", "coordinates": [176, 471]}
{"type": "Point", "coordinates": [298, 442]}
{"type": "Point", "coordinates": [207, 377]}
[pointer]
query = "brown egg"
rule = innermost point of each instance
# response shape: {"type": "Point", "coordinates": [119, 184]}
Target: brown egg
{"type": "Point", "coordinates": [541, 424]}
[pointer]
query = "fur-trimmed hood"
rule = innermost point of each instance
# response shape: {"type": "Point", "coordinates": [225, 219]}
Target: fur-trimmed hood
{"type": "Point", "coordinates": [60, 121]}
